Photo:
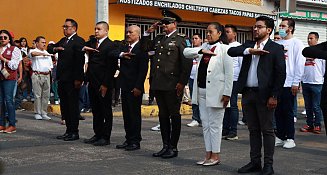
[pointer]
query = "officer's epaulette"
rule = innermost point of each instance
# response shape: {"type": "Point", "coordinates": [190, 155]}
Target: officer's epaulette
{"type": "Point", "coordinates": [181, 34]}
{"type": "Point", "coordinates": [161, 34]}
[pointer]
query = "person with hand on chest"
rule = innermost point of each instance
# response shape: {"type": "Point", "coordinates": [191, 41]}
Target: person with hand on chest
{"type": "Point", "coordinates": [102, 66]}
{"type": "Point", "coordinates": [212, 88]}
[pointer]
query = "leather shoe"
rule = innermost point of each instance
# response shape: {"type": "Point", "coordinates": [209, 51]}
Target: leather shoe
{"type": "Point", "coordinates": [161, 152]}
{"type": "Point", "coordinates": [101, 142]}
{"type": "Point", "coordinates": [72, 137]}
{"type": "Point", "coordinates": [122, 146]}
{"type": "Point", "coordinates": [63, 136]}
{"type": "Point", "coordinates": [250, 167]}
{"type": "Point", "coordinates": [170, 153]}
{"type": "Point", "coordinates": [132, 147]}
{"type": "Point", "coordinates": [91, 140]}
{"type": "Point", "coordinates": [267, 170]}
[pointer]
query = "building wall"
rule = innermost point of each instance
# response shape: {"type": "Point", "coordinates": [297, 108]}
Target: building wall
{"type": "Point", "coordinates": [45, 17]}
{"type": "Point", "coordinates": [255, 2]}
{"type": "Point", "coordinates": [117, 14]}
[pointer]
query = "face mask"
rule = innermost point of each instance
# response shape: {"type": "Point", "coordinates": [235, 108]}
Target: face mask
{"type": "Point", "coordinates": [282, 33]}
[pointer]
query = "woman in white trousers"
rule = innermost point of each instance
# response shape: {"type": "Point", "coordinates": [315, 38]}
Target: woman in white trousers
{"type": "Point", "coordinates": [212, 88]}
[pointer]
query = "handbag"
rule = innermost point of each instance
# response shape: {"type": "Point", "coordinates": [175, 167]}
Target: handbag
{"type": "Point", "coordinates": [4, 71]}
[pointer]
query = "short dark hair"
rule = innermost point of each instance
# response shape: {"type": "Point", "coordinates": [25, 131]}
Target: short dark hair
{"type": "Point", "coordinates": [103, 23]}
{"type": "Point", "coordinates": [221, 28]}
{"type": "Point", "coordinates": [276, 33]}
{"type": "Point", "coordinates": [198, 35]}
{"type": "Point", "coordinates": [232, 27]}
{"type": "Point", "coordinates": [269, 22]}
{"type": "Point", "coordinates": [314, 33]}
{"type": "Point", "coordinates": [290, 23]}
{"type": "Point", "coordinates": [37, 39]}
{"type": "Point", "coordinates": [17, 41]}
{"type": "Point", "coordinates": [74, 23]}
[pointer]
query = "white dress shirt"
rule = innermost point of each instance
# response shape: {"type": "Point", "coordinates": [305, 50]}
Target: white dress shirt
{"type": "Point", "coordinates": [41, 63]}
{"type": "Point", "coordinates": [252, 80]}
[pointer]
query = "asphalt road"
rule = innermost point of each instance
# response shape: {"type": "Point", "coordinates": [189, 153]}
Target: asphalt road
{"type": "Point", "coordinates": [34, 150]}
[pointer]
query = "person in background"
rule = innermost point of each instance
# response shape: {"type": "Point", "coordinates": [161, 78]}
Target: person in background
{"type": "Point", "coordinates": [295, 61]}
{"type": "Point", "coordinates": [231, 113]}
{"type": "Point", "coordinates": [24, 45]}
{"type": "Point", "coordinates": [10, 57]}
{"type": "Point", "coordinates": [312, 82]}
{"type": "Point", "coordinates": [277, 36]}
{"type": "Point", "coordinates": [41, 66]}
{"type": "Point", "coordinates": [196, 42]}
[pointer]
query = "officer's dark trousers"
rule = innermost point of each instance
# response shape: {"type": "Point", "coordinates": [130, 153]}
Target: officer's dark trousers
{"type": "Point", "coordinates": [169, 116]}
{"type": "Point", "coordinates": [69, 105]}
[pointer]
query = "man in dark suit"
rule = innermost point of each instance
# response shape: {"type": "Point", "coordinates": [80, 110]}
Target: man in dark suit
{"type": "Point", "coordinates": [133, 70]}
{"type": "Point", "coordinates": [320, 51]}
{"type": "Point", "coordinates": [70, 76]}
{"type": "Point", "coordinates": [260, 81]}
{"type": "Point", "coordinates": [100, 73]}
{"type": "Point", "coordinates": [170, 72]}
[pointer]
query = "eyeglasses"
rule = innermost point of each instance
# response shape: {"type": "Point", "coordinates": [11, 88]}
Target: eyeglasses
{"type": "Point", "coordinates": [3, 37]}
{"type": "Point", "coordinates": [258, 27]}
{"type": "Point", "coordinates": [66, 27]}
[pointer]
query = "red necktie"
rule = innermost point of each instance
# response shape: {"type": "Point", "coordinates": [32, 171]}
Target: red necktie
{"type": "Point", "coordinates": [206, 57]}
{"type": "Point", "coordinates": [97, 44]}
{"type": "Point", "coordinates": [129, 49]}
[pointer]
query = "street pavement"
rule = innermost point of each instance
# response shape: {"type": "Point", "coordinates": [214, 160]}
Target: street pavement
{"type": "Point", "coordinates": [35, 150]}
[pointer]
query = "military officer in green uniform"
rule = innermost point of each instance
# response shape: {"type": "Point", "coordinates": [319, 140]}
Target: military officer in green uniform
{"type": "Point", "coordinates": [170, 72]}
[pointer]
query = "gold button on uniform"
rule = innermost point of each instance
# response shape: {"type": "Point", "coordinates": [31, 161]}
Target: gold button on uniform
{"type": "Point", "coordinates": [158, 60]}
{"type": "Point", "coordinates": [160, 53]}
{"type": "Point", "coordinates": [157, 67]}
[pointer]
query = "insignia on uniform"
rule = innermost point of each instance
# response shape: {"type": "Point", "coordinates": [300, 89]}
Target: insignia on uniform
{"type": "Point", "coordinates": [181, 34]}
{"type": "Point", "coordinates": [171, 44]}
{"type": "Point", "coordinates": [168, 53]}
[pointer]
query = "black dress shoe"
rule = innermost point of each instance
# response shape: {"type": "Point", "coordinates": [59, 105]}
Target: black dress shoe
{"type": "Point", "coordinates": [91, 140]}
{"type": "Point", "coordinates": [170, 153]}
{"type": "Point", "coordinates": [250, 167]}
{"type": "Point", "coordinates": [63, 136]}
{"type": "Point", "coordinates": [72, 137]}
{"type": "Point", "coordinates": [101, 142]}
{"type": "Point", "coordinates": [267, 170]}
{"type": "Point", "coordinates": [81, 118]}
{"type": "Point", "coordinates": [122, 146]}
{"type": "Point", "coordinates": [132, 147]}
{"type": "Point", "coordinates": [161, 152]}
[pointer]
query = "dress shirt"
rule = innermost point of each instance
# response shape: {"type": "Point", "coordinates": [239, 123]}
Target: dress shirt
{"type": "Point", "coordinates": [237, 61]}
{"type": "Point", "coordinates": [131, 46]}
{"type": "Point", "coordinates": [68, 38]}
{"type": "Point", "coordinates": [15, 59]}
{"type": "Point", "coordinates": [41, 63]}
{"type": "Point", "coordinates": [252, 80]}
{"type": "Point", "coordinates": [101, 40]}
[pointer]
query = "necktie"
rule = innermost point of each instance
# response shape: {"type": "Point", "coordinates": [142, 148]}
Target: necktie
{"type": "Point", "coordinates": [206, 57]}
{"type": "Point", "coordinates": [97, 44]}
{"type": "Point", "coordinates": [129, 48]}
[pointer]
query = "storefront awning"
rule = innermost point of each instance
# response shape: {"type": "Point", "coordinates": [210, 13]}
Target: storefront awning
{"type": "Point", "coordinates": [221, 7]}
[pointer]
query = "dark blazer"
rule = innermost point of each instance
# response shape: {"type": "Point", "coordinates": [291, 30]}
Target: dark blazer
{"type": "Point", "coordinates": [133, 71]}
{"type": "Point", "coordinates": [102, 65]}
{"type": "Point", "coordinates": [71, 60]}
{"type": "Point", "coordinates": [169, 65]}
{"type": "Point", "coordinates": [271, 70]}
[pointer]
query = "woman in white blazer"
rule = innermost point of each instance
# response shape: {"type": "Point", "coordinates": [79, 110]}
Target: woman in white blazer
{"type": "Point", "coordinates": [212, 88]}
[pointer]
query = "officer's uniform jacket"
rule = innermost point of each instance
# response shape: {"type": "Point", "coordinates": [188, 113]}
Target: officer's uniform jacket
{"type": "Point", "coordinates": [169, 65]}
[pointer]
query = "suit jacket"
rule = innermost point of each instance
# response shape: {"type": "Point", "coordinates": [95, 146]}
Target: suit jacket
{"type": "Point", "coordinates": [271, 70]}
{"type": "Point", "coordinates": [133, 71]}
{"type": "Point", "coordinates": [102, 65]}
{"type": "Point", "coordinates": [169, 66]}
{"type": "Point", "coordinates": [219, 80]}
{"type": "Point", "coordinates": [71, 60]}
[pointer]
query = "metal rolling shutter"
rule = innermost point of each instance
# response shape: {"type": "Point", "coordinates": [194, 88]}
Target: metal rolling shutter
{"type": "Point", "coordinates": [303, 28]}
